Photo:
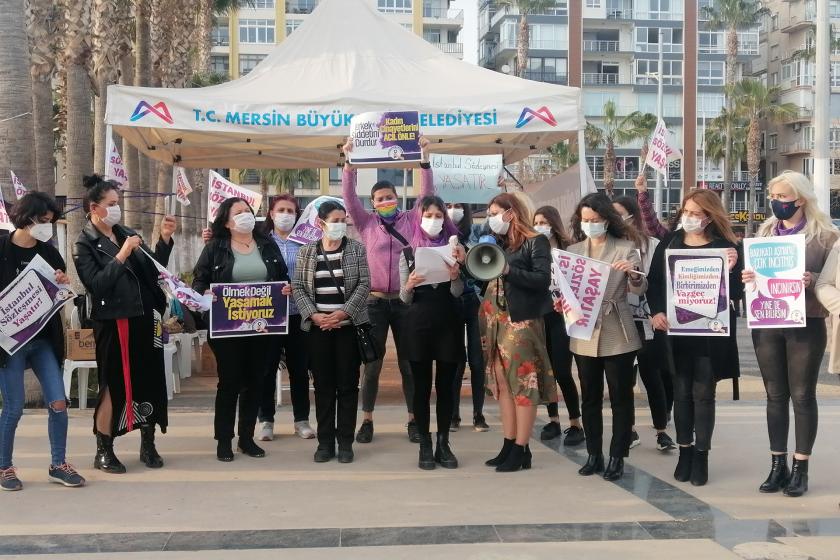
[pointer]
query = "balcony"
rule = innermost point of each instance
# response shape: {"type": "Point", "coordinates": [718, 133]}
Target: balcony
{"type": "Point", "coordinates": [801, 116]}
{"type": "Point", "coordinates": [799, 22]}
{"type": "Point", "coordinates": [548, 77]}
{"type": "Point", "coordinates": [592, 79]}
{"type": "Point", "coordinates": [592, 45]}
{"type": "Point", "coordinates": [442, 13]}
{"type": "Point", "coordinates": [456, 49]}
{"type": "Point", "coordinates": [671, 15]}
{"type": "Point", "coordinates": [796, 148]}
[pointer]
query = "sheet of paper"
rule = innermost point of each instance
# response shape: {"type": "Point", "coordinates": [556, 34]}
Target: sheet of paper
{"type": "Point", "coordinates": [431, 262]}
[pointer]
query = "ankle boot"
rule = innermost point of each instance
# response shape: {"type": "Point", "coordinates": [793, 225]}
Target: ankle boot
{"type": "Point", "coordinates": [683, 470]}
{"type": "Point", "coordinates": [500, 458]}
{"type": "Point", "coordinates": [615, 469]}
{"type": "Point", "coordinates": [105, 459]}
{"type": "Point", "coordinates": [514, 459]}
{"type": "Point", "coordinates": [594, 464]}
{"type": "Point", "coordinates": [798, 483]}
{"type": "Point", "coordinates": [778, 477]}
{"type": "Point", "coordinates": [426, 459]}
{"type": "Point", "coordinates": [224, 450]}
{"type": "Point", "coordinates": [443, 454]}
{"type": "Point", "coordinates": [526, 458]}
{"type": "Point", "coordinates": [699, 468]}
{"type": "Point", "coordinates": [148, 452]}
{"type": "Point", "coordinates": [249, 448]}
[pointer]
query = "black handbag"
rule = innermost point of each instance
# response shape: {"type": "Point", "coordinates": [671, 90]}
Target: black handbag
{"type": "Point", "coordinates": [364, 337]}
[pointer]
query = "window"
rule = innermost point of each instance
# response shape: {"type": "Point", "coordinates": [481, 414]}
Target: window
{"type": "Point", "coordinates": [710, 72]}
{"type": "Point", "coordinates": [291, 25]}
{"type": "Point", "coordinates": [748, 42]}
{"type": "Point", "coordinates": [256, 30]}
{"type": "Point", "coordinates": [596, 166]}
{"type": "Point", "coordinates": [394, 7]}
{"type": "Point", "coordinates": [248, 62]}
{"type": "Point", "coordinates": [834, 138]}
{"type": "Point", "coordinates": [835, 74]}
{"type": "Point", "coordinates": [772, 141]}
{"type": "Point", "coordinates": [808, 167]}
{"type": "Point", "coordinates": [774, 52]}
{"type": "Point", "coordinates": [263, 4]}
{"type": "Point", "coordinates": [711, 42]}
{"type": "Point", "coordinates": [834, 166]}
{"type": "Point", "coordinates": [548, 36]}
{"type": "Point", "coordinates": [675, 170]}
{"type": "Point", "coordinates": [220, 64]}
{"type": "Point", "coordinates": [774, 22]}
{"type": "Point", "coordinates": [626, 167]}
{"type": "Point", "coordinates": [662, 9]}
{"type": "Point", "coordinates": [671, 104]}
{"type": "Point", "coordinates": [300, 6]}
{"type": "Point", "coordinates": [774, 168]}
{"type": "Point", "coordinates": [647, 39]}
{"type": "Point", "coordinates": [710, 104]}
{"type": "Point", "coordinates": [593, 3]}
{"type": "Point", "coordinates": [808, 137]}
{"type": "Point", "coordinates": [594, 101]}
{"type": "Point", "coordinates": [552, 70]}
{"type": "Point", "coordinates": [220, 36]}
{"type": "Point", "coordinates": [774, 79]}
{"type": "Point", "coordinates": [394, 176]}
{"type": "Point", "coordinates": [432, 35]}
{"type": "Point", "coordinates": [672, 72]}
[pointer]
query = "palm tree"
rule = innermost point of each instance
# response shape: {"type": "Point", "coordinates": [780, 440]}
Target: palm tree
{"type": "Point", "coordinates": [286, 180]}
{"type": "Point", "coordinates": [715, 136]}
{"type": "Point", "coordinates": [732, 15]}
{"type": "Point", "coordinates": [563, 155]}
{"type": "Point", "coordinates": [643, 125]}
{"type": "Point", "coordinates": [142, 67]}
{"type": "Point", "coordinates": [755, 102]}
{"type": "Point", "coordinates": [522, 35]}
{"type": "Point", "coordinates": [613, 131]}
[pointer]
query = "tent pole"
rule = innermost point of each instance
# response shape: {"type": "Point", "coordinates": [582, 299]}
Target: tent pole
{"type": "Point", "coordinates": [584, 184]}
{"type": "Point", "coordinates": [405, 189]}
{"type": "Point", "coordinates": [109, 142]}
{"type": "Point", "coordinates": [174, 199]}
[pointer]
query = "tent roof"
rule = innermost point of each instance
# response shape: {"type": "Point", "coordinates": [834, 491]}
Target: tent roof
{"type": "Point", "coordinates": [293, 109]}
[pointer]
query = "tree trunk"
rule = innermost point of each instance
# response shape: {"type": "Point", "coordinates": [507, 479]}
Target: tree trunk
{"type": "Point", "coordinates": [164, 187]}
{"type": "Point", "coordinates": [42, 115]}
{"type": "Point", "coordinates": [130, 156]}
{"type": "Point", "coordinates": [753, 154]}
{"type": "Point", "coordinates": [522, 41]}
{"type": "Point", "coordinates": [609, 169]}
{"type": "Point", "coordinates": [142, 68]}
{"type": "Point", "coordinates": [99, 128]}
{"type": "Point", "coordinates": [205, 45]}
{"type": "Point", "coordinates": [731, 67]}
{"type": "Point", "coordinates": [78, 143]}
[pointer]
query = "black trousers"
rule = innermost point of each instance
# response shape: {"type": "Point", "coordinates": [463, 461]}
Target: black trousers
{"type": "Point", "coordinates": [618, 370]}
{"type": "Point", "coordinates": [384, 313]}
{"type": "Point", "coordinates": [334, 359]}
{"type": "Point", "coordinates": [475, 357]}
{"type": "Point", "coordinates": [241, 364]}
{"type": "Point", "coordinates": [789, 360]}
{"type": "Point", "coordinates": [422, 372]}
{"type": "Point", "coordinates": [297, 362]}
{"type": "Point", "coordinates": [694, 398]}
{"type": "Point", "coordinates": [557, 344]}
{"type": "Point", "coordinates": [650, 358]}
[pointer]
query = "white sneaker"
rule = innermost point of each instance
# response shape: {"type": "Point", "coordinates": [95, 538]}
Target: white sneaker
{"type": "Point", "coordinates": [267, 431]}
{"type": "Point", "coordinates": [304, 430]}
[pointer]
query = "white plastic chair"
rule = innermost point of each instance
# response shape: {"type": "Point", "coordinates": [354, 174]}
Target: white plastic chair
{"type": "Point", "coordinates": [173, 377]}
{"type": "Point", "coordinates": [186, 343]}
{"type": "Point", "coordinates": [83, 367]}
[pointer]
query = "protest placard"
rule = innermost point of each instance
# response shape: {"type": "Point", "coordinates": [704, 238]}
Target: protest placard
{"type": "Point", "coordinates": [29, 302]}
{"type": "Point", "coordinates": [182, 187]}
{"type": "Point", "coordinates": [5, 220]}
{"type": "Point", "coordinates": [585, 279]}
{"type": "Point", "coordinates": [662, 150]}
{"type": "Point", "coordinates": [248, 309]}
{"type": "Point", "coordinates": [114, 166]}
{"type": "Point", "coordinates": [697, 292]}
{"type": "Point", "coordinates": [389, 137]}
{"type": "Point", "coordinates": [220, 189]}
{"type": "Point", "coordinates": [777, 297]}
{"type": "Point", "coordinates": [466, 179]}
{"type": "Point", "coordinates": [306, 229]}
{"type": "Point", "coordinates": [17, 184]}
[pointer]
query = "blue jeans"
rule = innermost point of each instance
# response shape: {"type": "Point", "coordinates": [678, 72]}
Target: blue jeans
{"type": "Point", "coordinates": [38, 354]}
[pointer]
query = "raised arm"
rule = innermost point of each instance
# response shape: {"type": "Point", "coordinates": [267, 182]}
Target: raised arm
{"type": "Point", "coordinates": [654, 227]}
{"type": "Point", "coordinates": [352, 202]}
{"type": "Point", "coordinates": [427, 180]}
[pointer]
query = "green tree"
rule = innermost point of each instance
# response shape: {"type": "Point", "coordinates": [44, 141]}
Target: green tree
{"type": "Point", "coordinates": [286, 180]}
{"type": "Point", "coordinates": [562, 155]}
{"type": "Point", "coordinates": [613, 131]}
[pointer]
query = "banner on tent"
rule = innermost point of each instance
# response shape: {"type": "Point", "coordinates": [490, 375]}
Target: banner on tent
{"type": "Point", "coordinates": [182, 187]}
{"type": "Point", "coordinates": [777, 297]}
{"type": "Point", "coordinates": [306, 229]}
{"type": "Point", "coordinates": [581, 285]}
{"type": "Point", "coordinates": [115, 168]}
{"type": "Point", "coordinates": [697, 292]}
{"type": "Point", "coordinates": [466, 179]}
{"type": "Point", "coordinates": [17, 184]}
{"type": "Point", "coordinates": [220, 189]}
{"type": "Point", "coordinates": [387, 137]}
{"type": "Point", "coordinates": [248, 309]}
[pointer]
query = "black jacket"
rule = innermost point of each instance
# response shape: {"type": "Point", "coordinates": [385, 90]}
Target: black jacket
{"type": "Point", "coordinates": [528, 280]}
{"type": "Point", "coordinates": [114, 287]}
{"type": "Point", "coordinates": [215, 265]}
{"type": "Point", "coordinates": [55, 328]}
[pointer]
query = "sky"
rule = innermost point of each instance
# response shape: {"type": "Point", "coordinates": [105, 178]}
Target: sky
{"type": "Point", "coordinates": [469, 35]}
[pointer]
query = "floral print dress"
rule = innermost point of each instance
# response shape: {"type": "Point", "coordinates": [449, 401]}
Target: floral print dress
{"type": "Point", "coordinates": [516, 351]}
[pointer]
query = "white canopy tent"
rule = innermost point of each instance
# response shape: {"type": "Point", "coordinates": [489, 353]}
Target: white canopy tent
{"type": "Point", "coordinates": [293, 110]}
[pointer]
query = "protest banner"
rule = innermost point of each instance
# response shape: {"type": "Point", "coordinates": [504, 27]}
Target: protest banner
{"type": "Point", "coordinates": [389, 137]}
{"type": "Point", "coordinates": [777, 297]}
{"type": "Point", "coordinates": [176, 288]}
{"type": "Point", "coordinates": [220, 189]}
{"type": "Point", "coordinates": [182, 187]}
{"type": "Point", "coordinates": [697, 292]}
{"type": "Point", "coordinates": [306, 229]}
{"type": "Point", "coordinates": [661, 150]}
{"type": "Point", "coordinates": [29, 302]}
{"type": "Point", "coordinates": [466, 179]}
{"type": "Point", "coordinates": [5, 221]}
{"type": "Point", "coordinates": [20, 190]}
{"type": "Point", "coordinates": [586, 279]}
{"type": "Point", "coordinates": [114, 166]}
{"type": "Point", "coordinates": [248, 309]}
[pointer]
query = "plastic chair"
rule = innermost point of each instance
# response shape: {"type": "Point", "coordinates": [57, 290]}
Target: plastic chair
{"type": "Point", "coordinates": [170, 364]}
{"type": "Point", "coordinates": [83, 367]}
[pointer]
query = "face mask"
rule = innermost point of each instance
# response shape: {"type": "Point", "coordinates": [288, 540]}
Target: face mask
{"type": "Point", "coordinates": [284, 222]}
{"type": "Point", "coordinates": [456, 215]}
{"type": "Point", "coordinates": [41, 232]}
{"type": "Point", "coordinates": [432, 226]}
{"type": "Point", "coordinates": [497, 224]}
{"type": "Point", "coordinates": [593, 229]}
{"type": "Point", "coordinates": [691, 224]}
{"type": "Point", "coordinates": [387, 208]}
{"type": "Point", "coordinates": [113, 216]}
{"type": "Point", "coordinates": [784, 210]}
{"type": "Point", "coordinates": [335, 231]}
{"type": "Point", "coordinates": [545, 230]}
{"type": "Point", "coordinates": [244, 222]}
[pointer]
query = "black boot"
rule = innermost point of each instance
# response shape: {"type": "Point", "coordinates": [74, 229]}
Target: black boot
{"type": "Point", "coordinates": [594, 464]}
{"type": "Point", "coordinates": [249, 448]}
{"type": "Point", "coordinates": [105, 459]}
{"type": "Point", "coordinates": [426, 460]}
{"type": "Point", "coordinates": [443, 454]}
{"type": "Point", "coordinates": [514, 459]}
{"type": "Point", "coordinates": [699, 468]}
{"type": "Point", "coordinates": [526, 458]}
{"type": "Point", "coordinates": [798, 483]}
{"type": "Point", "coordinates": [615, 469]}
{"type": "Point", "coordinates": [500, 458]}
{"type": "Point", "coordinates": [224, 451]}
{"type": "Point", "coordinates": [683, 470]}
{"type": "Point", "coordinates": [148, 452]}
{"type": "Point", "coordinates": [778, 477]}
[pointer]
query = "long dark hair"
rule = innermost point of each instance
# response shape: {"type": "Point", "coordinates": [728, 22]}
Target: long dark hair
{"type": "Point", "coordinates": [552, 216]}
{"type": "Point", "coordinates": [219, 226]}
{"type": "Point", "coordinates": [632, 206]}
{"type": "Point", "coordinates": [601, 205]}
{"type": "Point", "coordinates": [268, 224]}
{"type": "Point", "coordinates": [465, 225]}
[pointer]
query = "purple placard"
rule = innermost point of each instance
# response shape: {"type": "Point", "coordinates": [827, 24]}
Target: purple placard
{"type": "Point", "coordinates": [306, 230]}
{"type": "Point", "coordinates": [248, 309]}
{"type": "Point", "coordinates": [389, 137]}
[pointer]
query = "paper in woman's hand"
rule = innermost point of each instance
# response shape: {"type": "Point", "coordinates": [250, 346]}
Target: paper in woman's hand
{"type": "Point", "coordinates": [433, 264]}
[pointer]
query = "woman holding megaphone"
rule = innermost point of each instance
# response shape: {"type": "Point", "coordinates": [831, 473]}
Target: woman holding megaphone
{"type": "Point", "coordinates": [513, 335]}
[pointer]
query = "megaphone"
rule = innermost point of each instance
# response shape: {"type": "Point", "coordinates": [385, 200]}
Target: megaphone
{"type": "Point", "coordinates": [486, 261]}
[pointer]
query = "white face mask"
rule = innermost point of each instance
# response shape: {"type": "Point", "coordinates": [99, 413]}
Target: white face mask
{"type": "Point", "coordinates": [41, 232]}
{"type": "Point", "coordinates": [691, 224]}
{"type": "Point", "coordinates": [593, 229]}
{"type": "Point", "coordinates": [284, 222]}
{"type": "Point", "coordinates": [432, 226]}
{"type": "Point", "coordinates": [498, 224]}
{"type": "Point", "coordinates": [335, 231]}
{"type": "Point", "coordinates": [113, 216]}
{"type": "Point", "coordinates": [456, 215]}
{"type": "Point", "coordinates": [244, 222]}
{"type": "Point", "coordinates": [543, 229]}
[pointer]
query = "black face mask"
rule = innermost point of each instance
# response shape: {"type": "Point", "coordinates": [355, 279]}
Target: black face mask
{"type": "Point", "coordinates": [784, 210]}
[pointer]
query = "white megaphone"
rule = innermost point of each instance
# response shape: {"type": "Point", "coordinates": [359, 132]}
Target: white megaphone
{"type": "Point", "coordinates": [486, 261]}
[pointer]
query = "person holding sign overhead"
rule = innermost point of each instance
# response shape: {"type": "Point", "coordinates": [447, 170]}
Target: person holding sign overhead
{"type": "Point", "coordinates": [698, 362]}
{"type": "Point", "coordinates": [236, 254]}
{"type": "Point", "coordinates": [384, 232]}
{"type": "Point", "coordinates": [789, 358]}
{"type": "Point", "coordinates": [602, 235]}
{"type": "Point", "coordinates": [127, 306]}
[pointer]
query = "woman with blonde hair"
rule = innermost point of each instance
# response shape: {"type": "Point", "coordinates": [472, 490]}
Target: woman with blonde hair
{"type": "Point", "coordinates": [789, 358]}
{"type": "Point", "coordinates": [513, 336]}
{"type": "Point", "coordinates": [698, 362]}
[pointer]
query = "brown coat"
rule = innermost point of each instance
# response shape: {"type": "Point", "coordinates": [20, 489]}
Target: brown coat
{"type": "Point", "coordinates": [816, 255]}
{"type": "Point", "coordinates": [827, 289]}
